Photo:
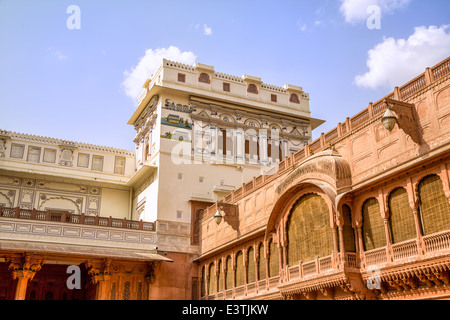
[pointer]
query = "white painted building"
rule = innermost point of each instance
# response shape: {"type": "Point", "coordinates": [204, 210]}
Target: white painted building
{"type": "Point", "coordinates": [199, 135]}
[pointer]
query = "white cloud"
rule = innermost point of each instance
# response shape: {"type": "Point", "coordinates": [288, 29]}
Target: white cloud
{"type": "Point", "coordinates": [356, 10]}
{"type": "Point", "coordinates": [147, 65]}
{"type": "Point", "coordinates": [57, 54]}
{"type": "Point", "coordinates": [207, 31]}
{"type": "Point", "coordinates": [393, 62]}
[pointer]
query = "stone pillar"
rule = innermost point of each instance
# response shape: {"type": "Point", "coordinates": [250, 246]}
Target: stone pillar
{"type": "Point", "coordinates": [240, 146]}
{"type": "Point", "coordinates": [335, 247]}
{"type": "Point", "coordinates": [23, 269]}
{"type": "Point", "coordinates": [99, 272]}
{"type": "Point", "coordinates": [420, 247]}
{"type": "Point", "coordinates": [360, 243]}
{"type": "Point", "coordinates": [342, 245]}
{"type": "Point", "coordinates": [263, 146]}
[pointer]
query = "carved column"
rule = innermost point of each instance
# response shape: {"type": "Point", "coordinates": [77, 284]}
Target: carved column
{"type": "Point", "coordinates": [240, 146]}
{"type": "Point", "coordinates": [388, 240]}
{"type": "Point", "coordinates": [23, 269]}
{"type": "Point", "coordinates": [100, 275]}
{"type": "Point", "coordinates": [335, 248]}
{"type": "Point", "coordinates": [342, 246]}
{"type": "Point", "coordinates": [263, 146]}
{"type": "Point", "coordinates": [420, 246]}
{"type": "Point", "coordinates": [207, 277]}
{"type": "Point", "coordinates": [360, 243]}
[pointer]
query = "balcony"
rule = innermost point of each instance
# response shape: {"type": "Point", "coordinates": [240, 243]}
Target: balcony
{"type": "Point", "coordinates": [67, 217]}
{"type": "Point", "coordinates": [63, 233]}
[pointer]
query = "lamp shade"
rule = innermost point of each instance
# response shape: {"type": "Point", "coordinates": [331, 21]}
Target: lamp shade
{"type": "Point", "coordinates": [389, 120]}
{"type": "Point", "coordinates": [218, 217]}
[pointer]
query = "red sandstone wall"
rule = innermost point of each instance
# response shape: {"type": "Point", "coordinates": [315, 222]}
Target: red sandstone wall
{"type": "Point", "coordinates": [371, 151]}
{"type": "Point", "coordinates": [174, 279]}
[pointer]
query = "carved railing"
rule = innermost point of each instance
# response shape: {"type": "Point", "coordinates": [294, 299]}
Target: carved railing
{"type": "Point", "coordinates": [441, 69]}
{"type": "Point", "coordinates": [437, 242]}
{"type": "Point", "coordinates": [376, 256]}
{"type": "Point", "coordinates": [351, 260]}
{"type": "Point", "coordinates": [404, 249]}
{"type": "Point", "coordinates": [68, 217]}
{"type": "Point", "coordinates": [413, 86]}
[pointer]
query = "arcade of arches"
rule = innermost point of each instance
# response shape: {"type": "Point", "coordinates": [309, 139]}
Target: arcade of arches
{"type": "Point", "coordinates": [368, 228]}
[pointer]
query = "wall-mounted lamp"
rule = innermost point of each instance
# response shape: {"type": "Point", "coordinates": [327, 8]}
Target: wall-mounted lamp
{"type": "Point", "coordinates": [389, 120]}
{"type": "Point", "coordinates": [218, 217]}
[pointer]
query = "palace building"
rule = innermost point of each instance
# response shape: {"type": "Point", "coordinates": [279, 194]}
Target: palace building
{"type": "Point", "coordinates": [226, 196]}
{"type": "Point", "coordinates": [130, 221]}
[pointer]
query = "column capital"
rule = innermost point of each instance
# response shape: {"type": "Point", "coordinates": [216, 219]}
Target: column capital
{"type": "Point", "coordinates": [24, 266]}
{"type": "Point", "coordinates": [98, 270]}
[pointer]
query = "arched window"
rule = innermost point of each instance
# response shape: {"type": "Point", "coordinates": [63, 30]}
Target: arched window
{"type": "Point", "coordinates": [294, 98]}
{"type": "Point", "coordinates": [308, 230]}
{"type": "Point", "coordinates": [252, 88]}
{"type": "Point", "coordinates": [240, 277]}
{"type": "Point", "coordinates": [212, 279]}
{"type": "Point", "coordinates": [251, 276]}
{"type": "Point", "coordinates": [261, 263]}
{"type": "Point", "coordinates": [434, 206]}
{"type": "Point", "coordinates": [374, 235]}
{"type": "Point", "coordinates": [229, 274]}
{"type": "Point", "coordinates": [273, 260]}
{"type": "Point", "coordinates": [401, 218]}
{"type": "Point", "coordinates": [203, 283]}
{"type": "Point", "coordinates": [220, 284]}
{"type": "Point", "coordinates": [348, 231]}
{"type": "Point", "coordinates": [204, 77]}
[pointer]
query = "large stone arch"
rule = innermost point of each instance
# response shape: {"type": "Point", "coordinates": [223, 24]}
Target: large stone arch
{"type": "Point", "coordinates": [325, 173]}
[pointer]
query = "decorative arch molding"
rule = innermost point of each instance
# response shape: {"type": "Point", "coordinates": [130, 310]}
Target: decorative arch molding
{"type": "Point", "coordinates": [327, 166]}
{"type": "Point", "coordinates": [441, 174]}
{"type": "Point", "coordinates": [77, 207]}
{"type": "Point", "coordinates": [5, 196]}
{"type": "Point", "coordinates": [287, 200]}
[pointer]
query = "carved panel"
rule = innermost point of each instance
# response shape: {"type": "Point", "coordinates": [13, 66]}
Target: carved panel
{"type": "Point", "coordinates": [361, 142]}
{"type": "Point", "coordinates": [388, 150]}
{"type": "Point", "coordinates": [443, 98]}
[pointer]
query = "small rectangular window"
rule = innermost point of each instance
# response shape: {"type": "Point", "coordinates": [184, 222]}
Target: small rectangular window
{"type": "Point", "coordinates": [273, 97]}
{"type": "Point", "coordinates": [179, 214]}
{"type": "Point", "coordinates": [119, 166]}
{"type": "Point", "coordinates": [226, 87]}
{"type": "Point", "coordinates": [34, 154]}
{"type": "Point", "coordinates": [180, 176]}
{"type": "Point", "coordinates": [181, 77]}
{"type": "Point", "coordinates": [49, 155]}
{"type": "Point", "coordinates": [17, 150]}
{"type": "Point", "coordinates": [97, 163]}
{"type": "Point", "coordinates": [83, 160]}
{"type": "Point", "coordinates": [201, 179]}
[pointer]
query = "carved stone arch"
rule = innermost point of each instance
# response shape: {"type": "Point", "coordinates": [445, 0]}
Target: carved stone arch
{"type": "Point", "coordinates": [78, 209]}
{"type": "Point", "coordinates": [341, 199]}
{"type": "Point", "coordinates": [287, 200]}
{"type": "Point", "coordinates": [256, 123]}
{"type": "Point", "coordinates": [358, 204]}
{"type": "Point", "coordinates": [421, 178]}
{"type": "Point", "coordinates": [2, 195]}
{"type": "Point", "coordinates": [389, 191]}
{"type": "Point", "coordinates": [227, 118]}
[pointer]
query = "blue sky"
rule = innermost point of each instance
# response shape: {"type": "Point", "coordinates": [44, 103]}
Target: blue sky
{"type": "Point", "coordinates": [72, 83]}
